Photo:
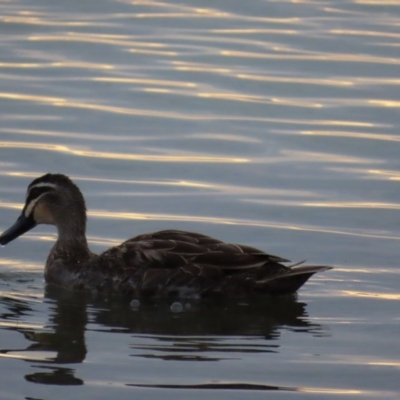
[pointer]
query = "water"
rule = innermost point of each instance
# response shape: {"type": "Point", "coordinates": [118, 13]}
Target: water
{"type": "Point", "coordinates": [273, 124]}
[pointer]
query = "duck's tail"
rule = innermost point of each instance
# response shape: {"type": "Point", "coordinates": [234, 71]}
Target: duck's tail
{"type": "Point", "coordinates": [290, 281]}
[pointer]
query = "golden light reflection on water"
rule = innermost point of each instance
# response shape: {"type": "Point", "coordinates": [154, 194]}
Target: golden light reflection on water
{"type": "Point", "coordinates": [30, 355]}
{"type": "Point", "coordinates": [200, 67]}
{"type": "Point", "coordinates": [354, 102]}
{"type": "Point", "coordinates": [371, 173]}
{"type": "Point", "coordinates": [343, 392]}
{"type": "Point", "coordinates": [193, 13]}
{"type": "Point", "coordinates": [296, 103]}
{"type": "Point", "coordinates": [355, 204]}
{"type": "Point", "coordinates": [376, 81]}
{"type": "Point", "coordinates": [252, 31]}
{"type": "Point", "coordinates": [373, 295]}
{"type": "Point", "coordinates": [325, 57]}
{"type": "Point", "coordinates": [292, 102]}
{"type": "Point", "coordinates": [354, 359]}
{"type": "Point", "coordinates": [30, 20]}
{"type": "Point", "coordinates": [29, 97]}
{"type": "Point", "coordinates": [361, 32]}
{"type": "Point", "coordinates": [59, 64]}
{"type": "Point", "coordinates": [343, 82]}
{"type": "Point", "coordinates": [114, 40]}
{"type": "Point", "coordinates": [157, 90]}
{"type": "Point", "coordinates": [136, 138]}
{"type": "Point", "coordinates": [224, 137]}
{"type": "Point", "coordinates": [354, 135]}
{"type": "Point", "coordinates": [23, 265]}
{"type": "Point", "coordinates": [385, 103]}
{"type": "Point", "coordinates": [241, 97]}
{"type": "Point", "coordinates": [385, 363]}
{"type": "Point", "coordinates": [189, 158]}
{"type": "Point", "coordinates": [183, 15]}
{"type": "Point", "coordinates": [154, 52]}
{"type": "Point", "coordinates": [14, 206]}
{"type": "Point", "coordinates": [20, 65]}
{"type": "Point", "coordinates": [21, 324]}
{"type": "Point", "coordinates": [391, 175]}
{"type": "Point", "coordinates": [145, 81]}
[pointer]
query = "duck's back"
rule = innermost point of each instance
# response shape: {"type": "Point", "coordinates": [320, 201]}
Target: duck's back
{"type": "Point", "coordinates": [184, 264]}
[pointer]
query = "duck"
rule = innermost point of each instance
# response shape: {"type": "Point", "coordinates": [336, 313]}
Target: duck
{"type": "Point", "coordinates": [167, 263]}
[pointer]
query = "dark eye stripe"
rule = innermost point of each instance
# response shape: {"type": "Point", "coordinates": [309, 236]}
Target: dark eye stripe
{"type": "Point", "coordinates": [36, 192]}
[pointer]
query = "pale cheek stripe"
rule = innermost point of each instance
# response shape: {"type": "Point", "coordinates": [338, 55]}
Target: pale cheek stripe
{"type": "Point", "coordinates": [29, 208]}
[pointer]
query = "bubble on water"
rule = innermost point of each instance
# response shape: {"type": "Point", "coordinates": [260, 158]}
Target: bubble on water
{"type": "Point", "coordinates": [176, 307]}
{"type": "Point", "coordinates": [135, 303]}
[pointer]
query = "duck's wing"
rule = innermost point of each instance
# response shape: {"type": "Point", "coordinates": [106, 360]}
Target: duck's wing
{"type": "Point", "coordinates": [180, 236]}
{"type": "Point", "coordinates": [184, 263]}
{"type": "Point", "coordinates": [173, 249]}
{"type": "Point", "coordinates": [201, 244]}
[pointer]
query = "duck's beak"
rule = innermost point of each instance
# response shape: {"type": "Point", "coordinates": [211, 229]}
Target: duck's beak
{"type": "Point", "coordinates": [21, 225]}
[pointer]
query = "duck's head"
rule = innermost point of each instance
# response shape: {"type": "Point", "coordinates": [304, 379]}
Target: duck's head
{"type": "Point", "coordinates": [51, 199]}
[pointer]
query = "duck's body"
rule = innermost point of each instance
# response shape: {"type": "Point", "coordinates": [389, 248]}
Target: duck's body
{"type": "Point", "coordinates": [161, 264]}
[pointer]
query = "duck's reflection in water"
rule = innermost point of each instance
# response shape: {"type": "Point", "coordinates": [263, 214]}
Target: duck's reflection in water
{"type": "Point", "coordinates": [200, 332]}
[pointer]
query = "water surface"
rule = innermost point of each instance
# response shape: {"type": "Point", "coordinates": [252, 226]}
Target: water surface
{"type": "Point", "coordinates": [273, 124]}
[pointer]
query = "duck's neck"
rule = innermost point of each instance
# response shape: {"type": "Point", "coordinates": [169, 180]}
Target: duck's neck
{"type": "Point", "coordinates": [71, 242]}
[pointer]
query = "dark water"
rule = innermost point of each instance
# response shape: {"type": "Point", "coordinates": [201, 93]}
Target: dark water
{"type": "Point", "coordinates": [273, 124]}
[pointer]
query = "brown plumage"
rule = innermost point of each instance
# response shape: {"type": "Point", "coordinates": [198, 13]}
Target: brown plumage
{"type": "Point", "coordinates": [167, 263]}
